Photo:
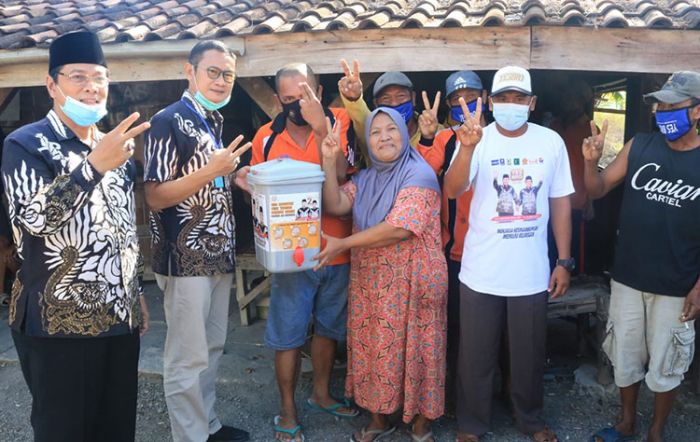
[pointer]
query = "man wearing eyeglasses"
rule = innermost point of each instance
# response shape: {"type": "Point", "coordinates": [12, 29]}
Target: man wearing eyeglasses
{"type": "Point", "coordinates": [515, 148]}
{"type": "Point", "coordinates": [188, 179]}
{"type": "Point", "coordinates": [77, 304]}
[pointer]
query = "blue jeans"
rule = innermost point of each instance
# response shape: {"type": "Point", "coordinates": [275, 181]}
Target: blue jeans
{"type": "Point", "coordinates": [297, 297]}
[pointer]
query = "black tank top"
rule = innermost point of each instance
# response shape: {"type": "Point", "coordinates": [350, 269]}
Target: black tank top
{"type": "Point", "coordinates": [658, 242]}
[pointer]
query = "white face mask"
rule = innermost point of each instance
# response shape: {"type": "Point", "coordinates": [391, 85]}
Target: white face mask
{"type": "Point", "coordinates": [511, 116]}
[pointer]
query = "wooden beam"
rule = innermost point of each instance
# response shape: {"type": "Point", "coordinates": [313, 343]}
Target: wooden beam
{"type": "Point", "coordinates": [615, 50]}
{"type": "Point", "coordinates": [261, 93]}
{"type": "Point", "coordinates": [6, 96]}
{"type": "Point", "coordinates": [381, 50]}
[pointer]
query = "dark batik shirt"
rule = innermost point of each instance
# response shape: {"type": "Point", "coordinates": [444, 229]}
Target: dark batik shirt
{"type": "Point", "coordinates": [195, 237]}
{"type": "Point", "coordinates": [75, 233]}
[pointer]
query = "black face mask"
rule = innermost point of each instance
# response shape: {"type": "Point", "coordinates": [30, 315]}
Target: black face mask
{"type": "Point", "coordinates": [293, 112]}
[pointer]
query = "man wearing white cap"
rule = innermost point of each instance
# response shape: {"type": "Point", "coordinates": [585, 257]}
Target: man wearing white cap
{"type": "Point", "coordinates": [655, 286]}
{"type": "Point", "coordinates": [505, 271]}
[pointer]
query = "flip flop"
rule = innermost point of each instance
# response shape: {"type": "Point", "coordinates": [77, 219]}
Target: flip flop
{"type": "Point", "coordinates": [380, 434]}
{"type": "Point", "coordinates": [424, 438]}
{"type": "Point", "coordinates": [292, 432]}
{"type": "Point", "coordinates": [333, 409]}
{"type": "Point", "coordinates": [610, 434]}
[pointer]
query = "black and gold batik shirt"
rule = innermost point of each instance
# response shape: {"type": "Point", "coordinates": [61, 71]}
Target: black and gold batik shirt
{"type": "Point", "coordinates": [195, 237]}
{"type": "Point", "coordinates": [75, 233]}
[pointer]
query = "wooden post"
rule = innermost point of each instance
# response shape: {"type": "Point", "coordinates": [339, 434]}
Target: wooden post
{"type": "Point", "coordinates": [261, 93]}
{"type": "Point", "coordinates": [6, 96]}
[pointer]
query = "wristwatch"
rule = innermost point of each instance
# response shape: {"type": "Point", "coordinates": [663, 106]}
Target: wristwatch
{"type": "Point", "coordinates": [568, 263]}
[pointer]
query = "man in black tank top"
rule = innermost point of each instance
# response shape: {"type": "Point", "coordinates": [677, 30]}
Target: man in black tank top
{"type": "Point", "coordinates": [655, 291]}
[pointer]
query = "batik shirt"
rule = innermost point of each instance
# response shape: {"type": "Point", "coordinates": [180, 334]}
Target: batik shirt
{"type": "Point", "coordinates": [75, 233]}
{"type": "Point", "coordinates": [195, 237]}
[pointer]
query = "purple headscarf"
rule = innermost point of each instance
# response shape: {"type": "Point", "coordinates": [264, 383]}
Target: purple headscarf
{"type": "Point", "coordinates": [379, 185]}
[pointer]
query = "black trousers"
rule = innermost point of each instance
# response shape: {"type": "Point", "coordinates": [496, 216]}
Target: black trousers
{"type": "Point", "coordinates": [84, 389]}
{"type": "Point", "coordinates": [483, 318]}
{"type": "Point", "coordinates": [453, 315]}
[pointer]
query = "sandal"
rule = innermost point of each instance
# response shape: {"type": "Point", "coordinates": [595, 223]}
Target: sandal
{"type": "Point", "coordinates": [467, 438]}
{"type": "Point", "coordinates": [292, 432]}
{"type": "Point", "coordinates": [333, 409]}
{"type": "Point", "coordinates": [545, 435]}
{"type": "Point", "coordinates": [424, 438]}
{"type": "Point", "coordinates": [611, 434]}
{"type": "Point", "coordinates": [380, 434]}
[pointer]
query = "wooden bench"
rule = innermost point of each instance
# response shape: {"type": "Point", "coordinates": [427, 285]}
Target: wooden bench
{"type": "Point", "coordinates": [245, 292]}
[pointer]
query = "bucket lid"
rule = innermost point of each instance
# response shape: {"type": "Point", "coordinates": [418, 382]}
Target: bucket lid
{"type": "Point", "coordinates": [281, 170]}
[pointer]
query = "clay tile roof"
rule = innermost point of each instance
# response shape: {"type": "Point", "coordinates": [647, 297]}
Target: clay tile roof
{"type": "Point", "coordinates": [27, 23]}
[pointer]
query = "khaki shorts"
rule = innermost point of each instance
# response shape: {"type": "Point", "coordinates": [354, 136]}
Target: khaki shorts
{"type": "Point", "coordinates": [643, 331]}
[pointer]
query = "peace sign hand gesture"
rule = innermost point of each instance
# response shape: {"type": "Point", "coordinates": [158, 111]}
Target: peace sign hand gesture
{"type": "Point", "coordinates": [350, 86]}
{"type": "Point", "coordinates": [331, 145]}
{"type": "Point", "coordinates": [427, 121]}
{"type": "Point", "coordinates": [469, 133]}
{"type": "Point", "coordinates": [593, 145]}
{"type": "Point", "coordinates": [117, 146]}
{"type": "Point", "coordinates": [311, 108]}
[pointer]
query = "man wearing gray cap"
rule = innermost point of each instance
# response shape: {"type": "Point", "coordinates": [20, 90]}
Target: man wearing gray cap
{"type": "Point", "coordinates": [655, 286]}
{"type": "Point", "coordinates": [392, 89]}
{"type": "Point", "coordinates": [77, 306]}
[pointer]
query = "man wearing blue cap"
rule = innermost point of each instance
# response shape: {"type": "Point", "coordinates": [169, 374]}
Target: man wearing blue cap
{"type": "Point", "coordinates": [77, 304]}
{"type": "Point", "coordinates": [655, 286]}
{"type": "Point", "coordinates": [438, 150]}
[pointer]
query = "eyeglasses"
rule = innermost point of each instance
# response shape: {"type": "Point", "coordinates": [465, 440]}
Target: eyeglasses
{"type": "Point", "coordinates": [82, 79]}
{"type": "Point", "coordinates": [214, 73]}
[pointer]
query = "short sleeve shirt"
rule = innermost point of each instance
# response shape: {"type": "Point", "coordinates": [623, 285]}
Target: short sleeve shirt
{"type": "Point", "coordinates": [505, 251]}
{"type": "Point", "coordinates": [195, 237]}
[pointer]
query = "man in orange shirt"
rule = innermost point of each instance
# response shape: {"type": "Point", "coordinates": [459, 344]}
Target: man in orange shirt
{"type": "Point", "coordinates": [297, 133]}
{"type": "Point", "coordinates": [438, 150]}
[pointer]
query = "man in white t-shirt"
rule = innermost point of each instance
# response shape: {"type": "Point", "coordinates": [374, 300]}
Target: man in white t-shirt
{"type": "Point", "coordinates": [517, 304]}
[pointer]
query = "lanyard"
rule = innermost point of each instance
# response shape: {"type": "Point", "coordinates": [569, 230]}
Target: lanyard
{"type": "Point", "coordinates": [218, 181]}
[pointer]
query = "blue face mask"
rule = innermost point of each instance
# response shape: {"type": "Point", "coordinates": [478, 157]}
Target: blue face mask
{"type": "Point", "coordinates": [208, 104]}
{"type": "Point", "coordinates": [511, 116]}
{"type": "Point", "coordinates": [83, 114]}
{"type": "Point", "coordinates": [457, 114]}
{"type": "Point", "coordinates": [674, 123]}
{"type": "Point", "coordinates": [405, 109]}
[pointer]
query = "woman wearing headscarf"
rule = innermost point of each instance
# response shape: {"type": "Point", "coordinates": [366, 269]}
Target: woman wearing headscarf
{"type": "Point", "coordinates": [398, 280]}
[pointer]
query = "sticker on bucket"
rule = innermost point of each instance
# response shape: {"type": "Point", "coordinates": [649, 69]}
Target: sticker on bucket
{"type": "Point", "coordinates": [293, 221]}
{"type": "Point", "coordinates": [260, 221]}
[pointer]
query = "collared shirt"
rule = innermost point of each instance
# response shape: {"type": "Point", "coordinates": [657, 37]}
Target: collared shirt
{"type": "Point", "coordinates": [195, 237]}
{"type": "Point", "coordinates": [75, 232]}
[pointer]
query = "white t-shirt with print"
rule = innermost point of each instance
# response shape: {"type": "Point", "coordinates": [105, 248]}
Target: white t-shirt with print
{"type": "Point", "coordinates": [505, 251]}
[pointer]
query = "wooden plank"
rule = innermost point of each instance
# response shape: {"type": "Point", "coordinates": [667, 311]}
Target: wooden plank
{"type": "Point", "coordinates": [622, 50]}
{"type": "Point", "coordinates": [6, 96]}
{"type": "Point", "coordinates": [381, 50]}
{"type": "Point", "coordinates": [261, 93]}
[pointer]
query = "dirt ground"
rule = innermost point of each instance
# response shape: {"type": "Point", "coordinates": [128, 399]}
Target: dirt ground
{"type": "Point", "coordinates": [572, 410]}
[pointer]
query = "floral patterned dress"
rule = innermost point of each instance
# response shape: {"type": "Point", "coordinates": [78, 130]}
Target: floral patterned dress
{"type": "Point", "coordinates": [397, 315]}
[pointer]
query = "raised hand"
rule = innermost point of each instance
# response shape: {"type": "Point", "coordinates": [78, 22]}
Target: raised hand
{"type": "Point", "coordinates": [350, 86]}
{"type": "Point", "coordinates": [469, 133]}
{"type": "Point", "coordinates": [428, 120]}
{"type": "Point", "coordinates": [331, 146]}
{"type": "Point", "coordinates": [117, 146]}
{"type": "Point", "coordinates": [311, 108]}
{"type": "Point", "coordinates": [224, 161]}
{"type": "Point", "coordinates": [593, 145]}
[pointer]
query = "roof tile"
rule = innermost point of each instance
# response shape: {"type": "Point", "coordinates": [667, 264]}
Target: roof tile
{"type": "Point", "coordinates": [26, 23]}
